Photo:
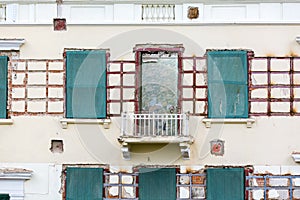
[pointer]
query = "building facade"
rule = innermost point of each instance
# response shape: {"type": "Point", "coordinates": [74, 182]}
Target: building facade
{"type": "Point", "coordinates": [149, 100]}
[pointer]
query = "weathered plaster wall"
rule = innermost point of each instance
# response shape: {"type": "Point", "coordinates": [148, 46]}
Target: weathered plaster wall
{"type": "Point", "coordinates": [269, 142]}
{"type": "Point", "coordinates": [28, 140]}
{"type": "Point", "coordinates": [43, 42]}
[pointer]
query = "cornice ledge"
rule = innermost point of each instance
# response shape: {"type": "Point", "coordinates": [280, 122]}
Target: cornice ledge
{"type": "Point", "coordinates": [11, 44]}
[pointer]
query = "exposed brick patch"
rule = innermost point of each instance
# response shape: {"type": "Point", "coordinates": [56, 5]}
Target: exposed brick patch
{"type": "Point", "coordinates": [31, 92]}
{"type": "Point", "coordinates": [60, 24]}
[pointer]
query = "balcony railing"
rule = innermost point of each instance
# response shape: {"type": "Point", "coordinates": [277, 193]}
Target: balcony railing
{"type": "Point", "coordinates": [152, 125]}
{"type": "Point", "coordinates": [155, 128]}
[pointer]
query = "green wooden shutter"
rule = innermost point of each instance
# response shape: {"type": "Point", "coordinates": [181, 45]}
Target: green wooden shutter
{"type": "Point", "coordinates": [157, 184]}
{"type": "Point", "coordinates": [84, 183]}
{"type": "Point", "coordinates": [225, 184]}
{"type": "Point", "coordinates": [4, 197]}
{"type": "Point", "coordinates": [3, 86]}
{"type": "Point", "coordinates": [227, 84]}
{"type": "Point", "coordinates": [86, 84]}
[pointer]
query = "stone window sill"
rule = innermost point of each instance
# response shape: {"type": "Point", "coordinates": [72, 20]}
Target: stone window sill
{"type": "Point", "coordinates": [296, 156]}
{"type": "Point", "coordinates": [248, 121]}
{"type": "Point", "coordinates": [6, 121]}
{"type": "Point", "coordinates": [105, 122]}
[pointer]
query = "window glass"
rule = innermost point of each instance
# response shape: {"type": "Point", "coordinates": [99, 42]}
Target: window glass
{"type": "Point", "coordinates": [227, 84]}
{"type": "Point", "coordinates": [159, 82]}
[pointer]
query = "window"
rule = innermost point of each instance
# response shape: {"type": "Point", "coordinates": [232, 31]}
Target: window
{"type": "Point", "coordinates": [227, 84]}
{"type": "Point", "coordinates": [157, 183]}
{"type": "Point", "coordinates": [159, 81]}
{"type": "Point", "coordinates": [3, 87]}
{"type": "Point", "coordinates": [225, 183]}
{"type": "Point", "coordinates": [86, 84]}
{"type": "Point", "coordinates": [84, 183]}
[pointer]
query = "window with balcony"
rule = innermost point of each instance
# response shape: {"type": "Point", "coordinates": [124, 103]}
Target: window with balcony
{"type": "Point", "coordinates": [158, 116]}
{"type": "Point", "coordinates": [158, 90]}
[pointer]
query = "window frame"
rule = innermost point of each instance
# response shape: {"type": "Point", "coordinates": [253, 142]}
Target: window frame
{"type": "Point", "coordinates": [139, 49]}
{"type": "Point", "coordinates": [245, 67]}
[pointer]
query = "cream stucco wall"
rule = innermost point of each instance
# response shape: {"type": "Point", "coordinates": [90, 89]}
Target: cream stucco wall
{"type": "Point", "coordinates": [264, 39]}
{"type": "Point", "coordinates": [270, 141]}
{"type": "Point", "coordinates": [273, 139]}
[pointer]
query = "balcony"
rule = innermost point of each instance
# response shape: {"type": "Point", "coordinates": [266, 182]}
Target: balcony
{"type": "Point", "coordinates": [155, 128]}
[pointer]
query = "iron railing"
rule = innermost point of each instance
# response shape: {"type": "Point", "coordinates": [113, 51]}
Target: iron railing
{"type": "Point", "coordinates": [142, 125]}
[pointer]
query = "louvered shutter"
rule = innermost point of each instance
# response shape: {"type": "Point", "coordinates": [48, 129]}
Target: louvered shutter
{"type": "Point", "coordinates": [157, 184]}
{"type": "Point", "coordinates": [86, 84]}
{"type": "Point", "coordinates": [225, 184]}
{"type": "Point", "coordinates": [84, 183]}
{"type": "Point", "coordinates": [3, 86]}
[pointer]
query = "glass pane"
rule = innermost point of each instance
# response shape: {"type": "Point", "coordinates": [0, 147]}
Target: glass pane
{"type": "Point", "coordinates": [227, 100]}
{"type": "Point", "coordinates": [159, 82]}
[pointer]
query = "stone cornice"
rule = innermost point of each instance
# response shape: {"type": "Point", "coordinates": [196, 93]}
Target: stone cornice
{"type": "Point", "coordinates": [11, 44]}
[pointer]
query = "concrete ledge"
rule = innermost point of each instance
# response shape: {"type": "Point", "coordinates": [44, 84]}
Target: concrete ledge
{"type": "Point", "coordinates": [11, 44]}
{"type": "Point", "coordinates": [65, 121]}
{"type": "Point", "coordinates": [157, 139]}
{"type": "Point", "coordinates": [6, 121]}
{"type": "Point", "coordinates": [296, 157]}
{"type": "Point", "coordinates": [183, 141]}
{"type": "Point", "coordinates": [248, 121]}
{"type": "Point", "coordinates": [298, 39]}
{"type": "Point", "coordinates": [15, 173]}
